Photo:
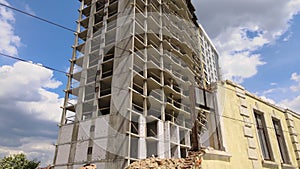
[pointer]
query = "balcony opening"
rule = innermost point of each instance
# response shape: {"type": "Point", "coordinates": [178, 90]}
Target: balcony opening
{"type": "Point", "coordinates": [138, 87]}
{"type": "Point", "coordinates": [86, 11]}
{"type": "Point", "coordinates": [100, 4]}
{"type": "Point", "coordinates": [112, 9]}
{"type": "Point", "coordinates": [154, 74]}
{"type": "Point", "coordinates": [171, 114]}
{"type": "Point", "coordinates": [182, 135]}
{"type": "Point", "coordinates": [105, 87]}
{"type": "Point", "coordinates": [183, 152]}
{"type": "Point", "coordinates": [140, 6]}
{"type": "Point", "coordinates": [97, 29]}
{"type": "Point", "coordinates": [135, 124]}
{"type": "Point", "coordinates": [91, 75]}
{"type": "Point", "coordinates": [112, 1]}
{"type": "Point", "coordinates": [87, 116]}
{"type": "Point", "coordinates": [107, 69]}
{"type": "Point", "coordinates": [80, 47]}
{"type": "Point", "coordinates": [109, 53]}
{"type": "Point", "coordinates": [92, 128]}
{"type": "Point", "coordinates": [110, 37]}
{"type": "Point", "coordinates": [89, 150]}
{"type": "Point", "coordinates": [95, 45]}
{"type": "Point", "coordinates": [154, 112]}
{"type": "Point", "coordinates": [154, 5]}
{"type": "Point", "coordinates": [104, 106]}
{"type": "Point", "coordinates": [156, 93]}
{"type": "Point", "coordinates": [89, 92]}
{"type": "Point", "coordinates": [151, 148]}
{"type": "Point", "coordinates": [99, 17]}
{"type": "Point", "coordinates": [174, 151]}
{"type": "Point", "coordinates": [139, 51]}
{"type": "Point", "coordinates": [152, 129]}
{"type": "Point", "coordinates": [112, 23]}
{"type": "Point", "coordinates": [137, 103]}
{"type": "Point", "coordinates": [107, 73]}
{"type": "Point", "coordinates": [134, 141]}
{"type": "Point", "coordinates": [87, 2]}
{"type": "Point", "coordinates": [105, 92]}
{"type": "Point", "coordinates": [70, 117]}
{"type": "Point", "coordinates": [140, 19]}
{"type": "Point", "coordinates": [87, 110]}
{"type": "Point", "coordinates": [94, 58]}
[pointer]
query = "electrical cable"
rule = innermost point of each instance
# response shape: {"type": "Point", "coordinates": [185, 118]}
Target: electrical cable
{"type": "Point", "coordinates": [250, 123]}
{"type": "Point", "coordinates": [28, 61]}
{"type": "Point", "coordinates": [36, 17]}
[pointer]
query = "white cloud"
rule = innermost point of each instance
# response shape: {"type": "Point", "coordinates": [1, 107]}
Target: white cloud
{"type": "Point", "coordinates": [35, 148]}
{"type": "Point", "coordinates": [29, 10]}
{"type": "Point", "coordinates": [8, 40]}
{"type": "Point", "coordinates": [274, 90]}
{"type": "Point", "coordinates": [24, 86]}
{"type": "Point", "coordinates": [240, 65]}
{"type": "Point", "coordinates": [243, 27]}
{"type": "Point", "coordinates": [273, 84]}
{"type": "Point", "coordinates": [288, 37]}
{"type": "Point", "coordinates": [296, 78]}
{"type": "Point", "coordinates": [292, 104]}
{"type": "Point", "coordinates": [24, 97]}
{"type": "Point", "coordinates": [267, 99]}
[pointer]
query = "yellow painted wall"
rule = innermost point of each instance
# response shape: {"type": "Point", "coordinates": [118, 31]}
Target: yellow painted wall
{"type": "Point", "coordinates": [232, 126]}
{"type": "Point", "coordinates": [270, 112]}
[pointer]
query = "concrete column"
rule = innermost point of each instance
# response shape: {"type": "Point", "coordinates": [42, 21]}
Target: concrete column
{"type": "Point", "coordinates": [160, 137]}
{"type": "Point", "coordinates": [142, 141]}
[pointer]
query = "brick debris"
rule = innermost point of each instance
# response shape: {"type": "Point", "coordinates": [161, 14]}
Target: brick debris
{"type": "Point", "coordinates": [193, 161]}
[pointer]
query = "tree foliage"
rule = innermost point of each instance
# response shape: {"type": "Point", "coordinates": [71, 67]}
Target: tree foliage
{"type": "Point", "coordinates": [18, 161]}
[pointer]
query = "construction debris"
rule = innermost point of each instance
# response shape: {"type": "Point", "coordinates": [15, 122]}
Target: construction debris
{"type": "Point", "coordinates": [193, 161]}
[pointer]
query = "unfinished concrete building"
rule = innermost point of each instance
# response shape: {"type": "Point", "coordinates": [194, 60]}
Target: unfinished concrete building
{"type": "Point", "coordinates": [135, 87]}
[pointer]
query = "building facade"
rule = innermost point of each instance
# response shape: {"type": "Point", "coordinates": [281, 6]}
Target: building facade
{"type": "Point", "coordinates": [210, 58]}
{"type": "Point", "coordinates": [248, 132]}
{"type": "Point", "coordinates": [135, 87]}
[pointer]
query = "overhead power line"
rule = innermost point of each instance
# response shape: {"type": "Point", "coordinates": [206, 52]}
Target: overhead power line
{"type": "Point", "coordinates": [28, 61]}
{"type": "Point", "coordinates": [39, 18]}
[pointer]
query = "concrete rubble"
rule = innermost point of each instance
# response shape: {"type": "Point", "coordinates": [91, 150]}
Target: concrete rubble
{"type": "Point", "coordinates": [193, 161]}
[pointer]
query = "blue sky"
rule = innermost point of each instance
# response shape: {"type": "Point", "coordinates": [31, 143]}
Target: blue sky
{"type": "Point", "coordinates": [258, 42]}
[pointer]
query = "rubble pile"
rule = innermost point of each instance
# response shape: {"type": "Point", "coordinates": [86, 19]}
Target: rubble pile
{"type": "Point", "coordinates": [193, 161]}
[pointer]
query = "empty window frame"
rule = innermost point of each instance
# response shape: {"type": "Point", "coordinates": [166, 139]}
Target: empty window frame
{"type": "Point", "coordinates": [281, 141]}
{"type": "Point", "coordinates": [263, 136]}
{"type": "Point", "coordinates": [152, 129]}
{"type": "Point", "coordinates": [90, 150]}
{"type": "Point", "coordinates": [92, 128]}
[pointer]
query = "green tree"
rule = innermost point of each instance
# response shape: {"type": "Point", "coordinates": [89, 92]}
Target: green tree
{"type": "Point", "coordinates": [18, 161]}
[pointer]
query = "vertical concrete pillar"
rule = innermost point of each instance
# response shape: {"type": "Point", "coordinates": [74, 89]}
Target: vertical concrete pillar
{"type": "Point", "coordinates": [142, 141]}
{"type": "Point", "coordinates": [160, 137]}
{"type": "Point", "coordinates": [167, 139]}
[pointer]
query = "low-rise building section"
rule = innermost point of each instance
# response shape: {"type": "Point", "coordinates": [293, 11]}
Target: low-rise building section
{"type": "Point", "coordinates": [248, 132]}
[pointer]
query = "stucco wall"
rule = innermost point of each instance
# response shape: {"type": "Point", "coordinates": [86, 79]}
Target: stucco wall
{"type": "Point", "coordinates": [239, 134]}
